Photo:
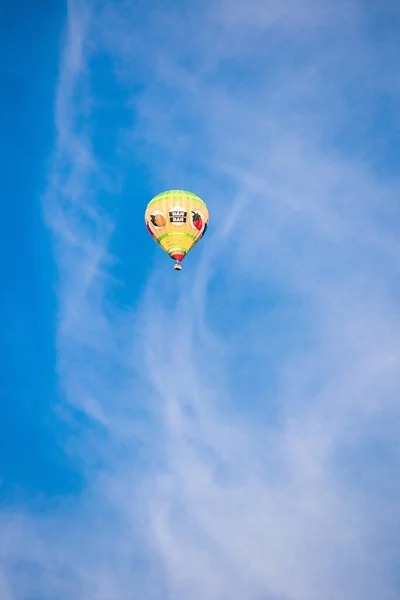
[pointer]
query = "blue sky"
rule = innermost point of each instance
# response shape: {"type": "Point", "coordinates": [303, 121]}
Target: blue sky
{"type": "Point", "coordinates": [231, 431]}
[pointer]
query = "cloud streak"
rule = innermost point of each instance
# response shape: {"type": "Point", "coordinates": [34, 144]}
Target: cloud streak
{"type": "Point", "coordinates": [242, 424]}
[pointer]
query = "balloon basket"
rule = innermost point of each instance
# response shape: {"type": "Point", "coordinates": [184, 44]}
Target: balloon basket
{"type": "Point", "coordinates": [177, 267]}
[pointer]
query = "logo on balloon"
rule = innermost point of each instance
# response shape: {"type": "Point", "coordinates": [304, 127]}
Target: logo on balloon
{"type": "Point", "coordinates": [158, 219]}
{"type": "Point", "coordinates": [177, 215]}
{"type": "Point", "coordinates": [197, 220]}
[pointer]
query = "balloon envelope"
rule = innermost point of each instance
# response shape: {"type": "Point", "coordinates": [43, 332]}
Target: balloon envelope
{"type": "Point", "coordinates": [176, 220]}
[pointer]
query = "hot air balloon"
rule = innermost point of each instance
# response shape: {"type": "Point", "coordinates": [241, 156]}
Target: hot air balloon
{"type": "Point", "coordinates": [176, 220]}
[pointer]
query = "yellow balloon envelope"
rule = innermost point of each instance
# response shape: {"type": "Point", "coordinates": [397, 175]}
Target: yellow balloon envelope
{"type": "Point", "coordinates": [176, 220]}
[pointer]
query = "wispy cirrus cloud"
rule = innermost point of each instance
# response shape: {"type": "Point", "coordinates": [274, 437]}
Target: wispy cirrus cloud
{"type": "Point", "coordinates": [246, 417]}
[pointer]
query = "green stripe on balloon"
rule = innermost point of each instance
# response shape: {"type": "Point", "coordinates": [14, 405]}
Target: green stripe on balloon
{"type": "Point", "coordinates": [183, 234]}
{"type": "Point", "coordinates": [175, 250]}
{"type": "Point", "coordinates": [167, 195]}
